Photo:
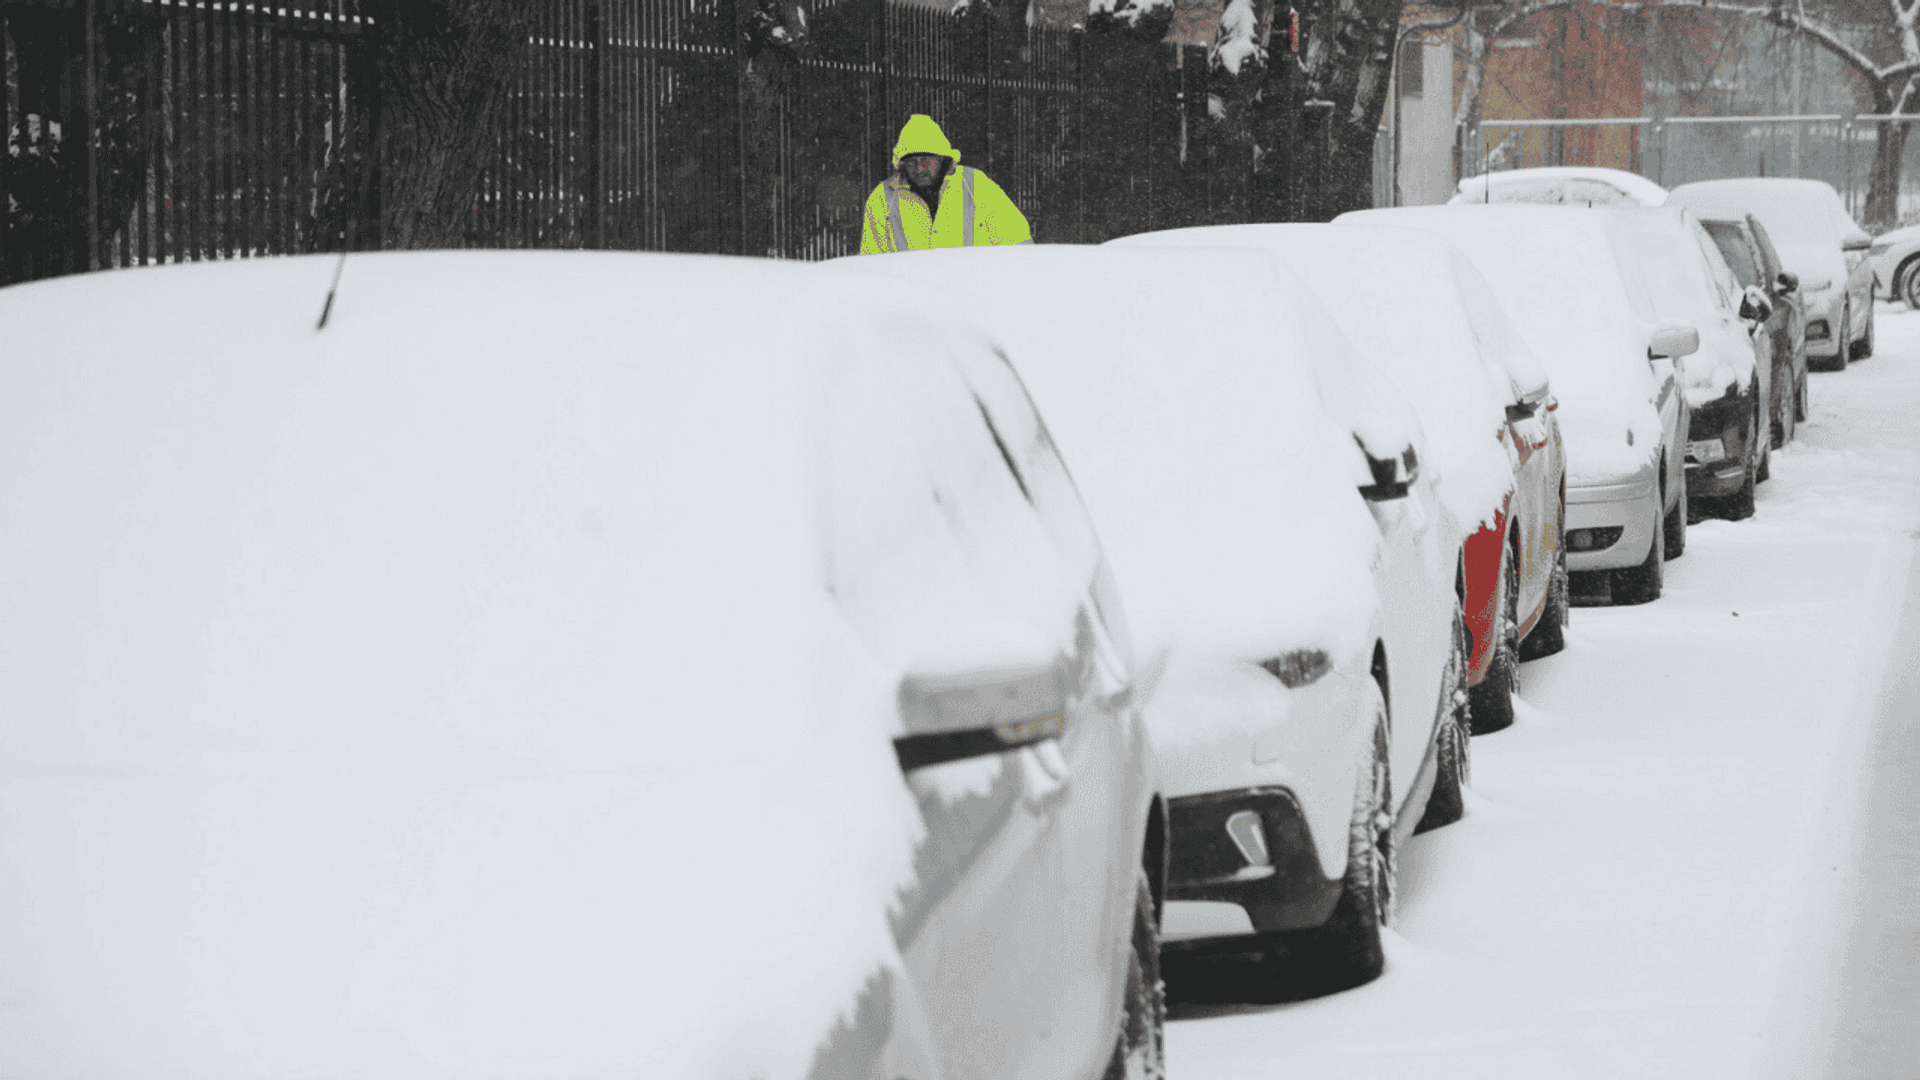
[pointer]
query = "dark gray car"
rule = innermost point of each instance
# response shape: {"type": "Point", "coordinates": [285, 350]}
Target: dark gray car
{"type": "Point", "coordinates": [1744, 243]}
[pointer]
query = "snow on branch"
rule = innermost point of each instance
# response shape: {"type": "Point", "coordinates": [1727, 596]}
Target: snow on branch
{"type": "Point", "coordinates": [1237, 42]}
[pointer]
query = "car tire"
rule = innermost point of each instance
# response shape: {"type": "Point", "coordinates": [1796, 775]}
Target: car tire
{"type": "Point", "coordinates": [1490, 704]}
{"type": "Point", "coordinates": [1643, 584]}
{"type": "Point", "coordinates": [1550, 633]}
{"type": "Point", "coordinates": [1908, 283]}
{"type": "Point", "coordinates": [1781, 407]}
{"type": "Point", "coordinates": [1345, 951]}
{"type": "Point", "coordinates": [1800, 400]}
{"type": "Point", "coordinates": [1454, 767]}
{"type": "Point", "coordinates": [1764, 471]}
{"type": "Point", "coordinates": [1674, 526]}
{"type": "Point", "coordinates": [1860, 350]}
{"type": "Point", "coordinates": [1139, 1051]}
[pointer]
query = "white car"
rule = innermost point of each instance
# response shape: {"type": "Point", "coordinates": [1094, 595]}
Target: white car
{"type": "Point", "coordinates": [1729, 382]}
{"type": "Point", "coordinates": [1487, 411]}
{"type": "Point", "coordinates": [1820, 244]}
{"type": "Point", "coordinates": [1288, 566]}
{"type": "Point", "coordinates": [550, 665]}
{"type": "Point", "coordinates": [1561, 185]}
{"type": "Point", "coordinates": [1615, 370]}
{"type": "Point", "coordinates": [1895, 255]}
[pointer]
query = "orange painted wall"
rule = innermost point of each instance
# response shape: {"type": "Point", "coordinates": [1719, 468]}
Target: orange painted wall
{"type": "Point", "coordinates": [1599, 73]}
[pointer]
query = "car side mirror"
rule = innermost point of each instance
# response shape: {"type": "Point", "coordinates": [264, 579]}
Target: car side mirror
{"type": "Point", "coordinates": [1754, 305]}
{"type": "Point", "coordinates": [1856, 241]}
{"type": "Point", "coordinates": [997, 692]}
{"type": "Point", "coordinates": [1673, 338]}
{"type": "Point", "coordinates": [1393, 476]}
{"type": "Point", "coordinates": [1788, 281]}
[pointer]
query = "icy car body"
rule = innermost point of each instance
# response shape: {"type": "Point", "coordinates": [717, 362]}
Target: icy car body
{"type": "Point", "coordinates": [1220, 431]}
{"type": "Point", "coordinates": [1557, 275]}
{"type": "Point", "coordinates": [1820, 244]}
{"type": "Point", "coordinates": [551, 667]}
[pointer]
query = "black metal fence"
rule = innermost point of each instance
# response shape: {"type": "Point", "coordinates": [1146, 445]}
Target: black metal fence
{"type": "Point", "coordinates": [153, 131]}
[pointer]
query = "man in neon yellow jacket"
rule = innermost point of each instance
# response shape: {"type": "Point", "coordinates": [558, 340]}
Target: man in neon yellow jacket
{"type": "Point", "coordinates": [933, 201]}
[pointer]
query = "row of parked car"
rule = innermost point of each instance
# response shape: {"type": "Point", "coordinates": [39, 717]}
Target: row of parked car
{"type": "Point", "coordinates": [535, 664]}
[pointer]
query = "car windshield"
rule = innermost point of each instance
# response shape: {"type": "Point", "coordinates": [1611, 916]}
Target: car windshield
{"type": "Point", "coordinates": [1733, 247]}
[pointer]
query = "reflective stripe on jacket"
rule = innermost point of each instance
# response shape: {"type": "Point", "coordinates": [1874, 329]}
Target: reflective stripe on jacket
{"type": "Point", "coordinates": [981, 214]}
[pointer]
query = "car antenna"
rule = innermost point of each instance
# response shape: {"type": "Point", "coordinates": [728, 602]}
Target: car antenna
{"type": "Point", "coordinates": [326, 309]}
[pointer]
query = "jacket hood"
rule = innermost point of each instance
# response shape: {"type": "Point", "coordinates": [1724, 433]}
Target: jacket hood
{"type": "Point", "coordinates": [923, 136]}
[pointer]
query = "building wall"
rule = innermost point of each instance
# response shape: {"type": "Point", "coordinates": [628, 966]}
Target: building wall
{"type": "Point", "coordinates": [1569, 63]}
{"type": "Point", "coordinates": [1426, 128]}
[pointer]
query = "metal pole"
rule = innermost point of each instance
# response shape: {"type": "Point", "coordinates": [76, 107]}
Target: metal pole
{"type": "Point", "coordinates": [92, 30]}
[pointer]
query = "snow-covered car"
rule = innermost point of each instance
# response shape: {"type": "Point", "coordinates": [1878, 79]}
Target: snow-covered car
{"type": "Point", "coordinates": [1820, 244]}
{"type": "Point", "coordinates": [1615, 371]}
{"type": "Point", "coordinates": [1749, 252]}
{"type": "Point", "coordinates": [1895, 255]}
{"type": "Point", "coordinates": [1274, 526]}
{"type": "Point", "coordinates": [1729, 381]}
{"type": "Point", "coordinates": [552, 666]}
{"type": "Point", "coordinates": [1485, 406]}
{"type": "Point", "coordinates": [1561, 185]}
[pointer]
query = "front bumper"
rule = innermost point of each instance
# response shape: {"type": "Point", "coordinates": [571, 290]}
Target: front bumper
{"type": "Point", "coordinates": [1719, 449]}
{"type": "Point", "coordinates": [1824, 331]}
{"type": "Point", "coordinates": [1285, 890]}
{"type": "Point", "coordinates": [1597, 510]}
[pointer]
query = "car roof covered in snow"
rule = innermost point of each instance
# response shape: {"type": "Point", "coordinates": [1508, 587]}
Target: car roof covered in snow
{"type": "Point", "coordinates": [1184, 393]}
{"type": "Point", "coordinates": [1457, 361]}
{"type": "Point", "coordinates": [1570, 185]}
{"type": "Point", "coordinates": [1804, 217]}
{"type": "Point", "coordinates": [433, 693]}
{"type": "Point", "coordinates": [1558, 278]}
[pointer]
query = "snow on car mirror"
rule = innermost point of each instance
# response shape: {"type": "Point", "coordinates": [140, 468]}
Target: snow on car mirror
{"type": "Point", "coordinates": [990, 686]}
{"type": "Point", "coordinates": [1672, 338]}
{"type": "Point", "coordinates": [1754, 304]}
{"type": "Point", "coordinates": [1393, 475]}
{"type": "Point", "coordinates": [1855, 240]}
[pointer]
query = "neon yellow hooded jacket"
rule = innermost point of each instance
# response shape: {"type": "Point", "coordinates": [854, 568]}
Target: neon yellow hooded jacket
{"type": "Point", "coordinates": [973, 209]}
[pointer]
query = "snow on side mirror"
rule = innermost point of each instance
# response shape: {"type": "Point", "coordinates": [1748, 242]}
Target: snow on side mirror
{"type": "Point", "coordinates": [1855, 240]}
{"type": "Point", "coordinates": [1393, 476]}
{"type": "Point", "coordinates": [1673, 338]}
{"type": "Point", "coordinates": [1754, 305]}
{"type": "Point", "coordinates": [990, 686]}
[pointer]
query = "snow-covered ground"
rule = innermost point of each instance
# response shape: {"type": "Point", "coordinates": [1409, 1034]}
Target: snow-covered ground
{"type": "Point", "coordinates": [1660, 863]}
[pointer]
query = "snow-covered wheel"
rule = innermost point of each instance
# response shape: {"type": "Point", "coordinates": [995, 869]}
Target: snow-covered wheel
{"type": "Point", "coordinates": [1491, 707]}
{"type": "Point", "coordinates": [1909, 282]}
{"type": "Point", "coordinates": [1860, 350]}
{"type": "Point", "coordinates": [1739, 505]}
{"type": "Point", "coordinates": [1345, 951]}
{"type": "Point", "coordinates": [1800, 400]}
{"type": "Point", "coordinates": [1454, 767]}
{"type": "Point", "coordinates": [1642, 584]}
{"type": "Point", "coordinates": [1782, 406]}
{"type": "Point", "coordinates": [1139, 1051]}
{"type": "Point", "coordinates": [1549, 635]}
{"type": "Point", "coordinates": [1674, 526]}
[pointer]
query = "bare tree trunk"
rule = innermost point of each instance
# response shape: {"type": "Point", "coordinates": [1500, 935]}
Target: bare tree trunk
{"type": "Point", "coordinates": [1348, 61]}
{"type": "Point", "coordinates": [1882, 211]}
{"type": "Point", "coordinates": [445, 69]}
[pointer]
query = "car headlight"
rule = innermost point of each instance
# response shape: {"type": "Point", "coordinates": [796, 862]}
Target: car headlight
{"type": "Point", "coordinates": [1707, 451]}
{"type": "Point", "coordinates": [1298, 668]}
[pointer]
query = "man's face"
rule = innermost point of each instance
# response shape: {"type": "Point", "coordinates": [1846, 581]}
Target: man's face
{"type": "Point", "coordinates": [923, 170]}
